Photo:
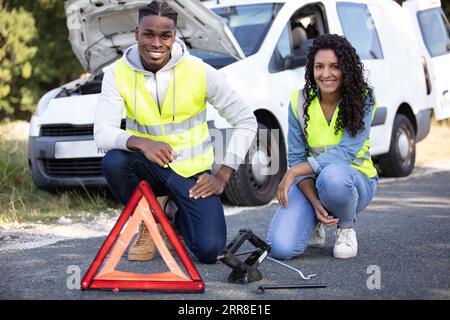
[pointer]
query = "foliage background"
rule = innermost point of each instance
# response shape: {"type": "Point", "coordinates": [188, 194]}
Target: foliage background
{"type": "Point", "coordinates": [35, 55]}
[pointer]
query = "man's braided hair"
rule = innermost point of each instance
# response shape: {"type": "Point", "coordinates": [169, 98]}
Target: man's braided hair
{"type": "Point", "coordinates": [158, 8]}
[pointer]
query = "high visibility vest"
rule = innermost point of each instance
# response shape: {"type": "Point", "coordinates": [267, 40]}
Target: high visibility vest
{"type": "Point", "coordinates": [181, 122]}
{"type": "Point", "coordinates": [321, 135]}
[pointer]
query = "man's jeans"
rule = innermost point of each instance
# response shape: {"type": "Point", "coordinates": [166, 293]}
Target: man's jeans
{"type": "Point", "coordinates": [201, 222]}
{"type": "Point", "coordinates": [343, 191]}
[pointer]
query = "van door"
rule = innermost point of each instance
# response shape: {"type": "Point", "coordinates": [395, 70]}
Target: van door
{"type": "Point", "coordinates": [433, 31]}
{"type": "Point", "coordinates": [302, 24]}
{"type": "Point", "coordinates": [358, 26]}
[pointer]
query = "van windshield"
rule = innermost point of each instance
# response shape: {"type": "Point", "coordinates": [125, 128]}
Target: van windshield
{"type": "Point", "coordinates": [249, 25]}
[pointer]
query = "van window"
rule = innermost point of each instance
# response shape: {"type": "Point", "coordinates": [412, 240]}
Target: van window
{"type": "Point", "coordinates": [249, 23]}
{"type": "Point", "coordinates": [435, 31]}
{"type": "Point", "coordinates": [306, 24]}
{"type": "Point", "coordinates": [359, 29]}
{"type": "Point", "coordinates": [284, 44]}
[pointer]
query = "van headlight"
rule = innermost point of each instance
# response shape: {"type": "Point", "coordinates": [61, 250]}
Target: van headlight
{"type": "Point", "coordinates": [45, 100]}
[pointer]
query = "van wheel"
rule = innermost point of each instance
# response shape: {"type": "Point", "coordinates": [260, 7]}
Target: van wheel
{"type": "Point", "coordinates": [399, 162]}
{"type": "Point", "coordinates": [256, 181]}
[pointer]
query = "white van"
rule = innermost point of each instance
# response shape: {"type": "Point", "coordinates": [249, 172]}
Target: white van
{"type": "Point", "coordinates": [261, 46]}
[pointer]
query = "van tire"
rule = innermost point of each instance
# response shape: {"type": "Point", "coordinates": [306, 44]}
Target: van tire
{"type": "Point", "coordinates": [399, 162]}
{"type": "Point", "coordinates": [246, 187]}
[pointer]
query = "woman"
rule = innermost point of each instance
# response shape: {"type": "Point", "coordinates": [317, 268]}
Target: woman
{"type": "Point", "coordinates": [331, 176]}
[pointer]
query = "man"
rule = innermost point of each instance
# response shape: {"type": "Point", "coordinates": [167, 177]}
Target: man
{"type": "Point", "coordinates": [164, 92]}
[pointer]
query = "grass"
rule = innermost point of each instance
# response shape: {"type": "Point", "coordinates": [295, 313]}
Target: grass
{"type": "Point", "coordinates": [435, 148]}
{"type": "Point", "coordinates": [21, 201]}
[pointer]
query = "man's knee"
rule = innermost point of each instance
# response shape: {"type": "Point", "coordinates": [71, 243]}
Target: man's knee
{"type": "Point", "coordinates": [208, 252]}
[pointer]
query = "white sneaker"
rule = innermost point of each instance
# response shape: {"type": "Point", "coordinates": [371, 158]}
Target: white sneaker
{"type": "Point", "coordinates": [346, 245]}
{"type": "Point", "coordinates": [318, 237]}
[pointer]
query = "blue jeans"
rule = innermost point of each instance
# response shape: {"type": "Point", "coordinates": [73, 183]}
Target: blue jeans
{"type": "Point", "coordinates": [343, 191]}
{"type": "Point", "coordinates": [201, 222]}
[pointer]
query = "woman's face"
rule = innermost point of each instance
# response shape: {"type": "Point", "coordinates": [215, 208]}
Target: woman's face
{"type": "Point", "coordinates": [327, 72]}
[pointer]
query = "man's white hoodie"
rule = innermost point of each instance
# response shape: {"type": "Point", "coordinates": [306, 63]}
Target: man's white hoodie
{"type": "Point", "coordinates": [110, 107]}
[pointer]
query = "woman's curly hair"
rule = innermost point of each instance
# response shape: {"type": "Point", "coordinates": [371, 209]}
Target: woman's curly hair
{"type": "Point", "coordinates": [354, 90]}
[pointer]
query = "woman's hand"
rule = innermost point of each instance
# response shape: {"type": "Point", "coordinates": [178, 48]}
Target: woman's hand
{"type": "Point", "coordinates": [322, 214]}
{"type": "Point", "coordinates": [283, 188]}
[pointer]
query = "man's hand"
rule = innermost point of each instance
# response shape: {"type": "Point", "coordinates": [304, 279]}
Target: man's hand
{"type": "Point", "coordinates": [208, 185]}
{"type": "Point", "coordinates": [156, 151]}
{"type": "Point", "coordinates": [283, 188]}
{"type": "Point", "coordinates": [322, 214]}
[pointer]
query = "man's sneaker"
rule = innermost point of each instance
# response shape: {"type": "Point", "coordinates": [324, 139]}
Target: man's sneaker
{"type": "Point", "coordinates": [318, 237]}
{"type": "Point", "coordinates": [346, 245]}
{"type": "Point", "coordinates": [143, 249]}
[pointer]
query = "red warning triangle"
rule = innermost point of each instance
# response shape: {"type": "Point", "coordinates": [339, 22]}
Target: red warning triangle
{"type": "Point", "coordinates": [140, 208]}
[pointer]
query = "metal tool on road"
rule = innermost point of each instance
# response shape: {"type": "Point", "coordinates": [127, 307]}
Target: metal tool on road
{"type": "Point", "coordinates": [244, 271]}
{"type": "Point", "coordinates": [309, 277]}
{"type": "Point", "coordinates": [247, 271]}
{"type": "Point", "coordinates": [262, 289]}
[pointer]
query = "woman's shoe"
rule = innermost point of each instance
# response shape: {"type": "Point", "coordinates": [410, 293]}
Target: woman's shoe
{"type": "Point", "coordinates": [346, 245]}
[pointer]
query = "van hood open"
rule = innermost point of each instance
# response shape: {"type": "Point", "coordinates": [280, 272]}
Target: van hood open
{"type": "Point", "coordinates": [101, 30]}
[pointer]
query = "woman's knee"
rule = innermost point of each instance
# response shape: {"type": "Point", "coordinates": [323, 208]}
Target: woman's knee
{"type": "Point", "coordinates": [335, 186]}
{"type": "Point", "coordinates": [334, 178]}
{"type": "Point", "coordinates": [283, 246]}
{"type": "Point", "coordinates": [283, 249]}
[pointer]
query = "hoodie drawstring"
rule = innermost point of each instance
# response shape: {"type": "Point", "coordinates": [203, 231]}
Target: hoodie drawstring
{"type": "Point", "coordinates": [174, 91]}
{"type": "Point", "coordinates": [135, 94]}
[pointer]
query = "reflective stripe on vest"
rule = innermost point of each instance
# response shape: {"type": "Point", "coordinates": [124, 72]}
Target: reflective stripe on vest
{"type": "Point", "coordinates": [168, 128]}
{"type": "Point", "coordinates": [181, 119]}
{"type": "Point", "coordinates": [321, 137]}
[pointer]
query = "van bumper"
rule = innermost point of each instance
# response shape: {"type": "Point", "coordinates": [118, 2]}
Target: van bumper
{"type": "Point", "coordinates": [49, 173]}
{"type": "Point", "coordinates": [423, 119]}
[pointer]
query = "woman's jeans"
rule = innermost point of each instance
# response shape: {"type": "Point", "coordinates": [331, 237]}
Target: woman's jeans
{"type": "Point", "coordinates": [343, 191]}
{"type": "Point", "coordinates": [201, 222]}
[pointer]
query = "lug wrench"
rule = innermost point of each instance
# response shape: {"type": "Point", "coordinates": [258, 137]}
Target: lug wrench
{"type": "Point", "coordinates": [262, 289]}
{"type": "Point", "coordinates": [292, 268]}
{"type": "Point", "coordinates": [309, 277]}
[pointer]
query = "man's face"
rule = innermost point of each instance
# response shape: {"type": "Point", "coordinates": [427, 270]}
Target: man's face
{"type": "Point", "coordinates": [155, 36]}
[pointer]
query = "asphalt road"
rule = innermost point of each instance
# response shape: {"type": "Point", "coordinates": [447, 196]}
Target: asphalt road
{"type": "Point", "coordinates": [404, 253]}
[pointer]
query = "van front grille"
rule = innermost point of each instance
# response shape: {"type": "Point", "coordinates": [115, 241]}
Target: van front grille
{"type": "Point", "coordinates": [64, 130]}
{"type": "Point", "coordinates": [67, 130]}
{"type": "Point", "coordinates": [89, 167]}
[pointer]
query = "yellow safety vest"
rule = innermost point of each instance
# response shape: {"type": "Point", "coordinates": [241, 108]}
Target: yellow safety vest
{"type": "Point", "coordinates": [321, 137]}
{"type": "Point", "coordinates": [181, 123]}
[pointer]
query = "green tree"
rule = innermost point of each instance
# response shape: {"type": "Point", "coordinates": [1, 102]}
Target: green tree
{"type": "Point", "coordinates": [53, 62]}
{"type": "Point", "coordinates": [17, 30]}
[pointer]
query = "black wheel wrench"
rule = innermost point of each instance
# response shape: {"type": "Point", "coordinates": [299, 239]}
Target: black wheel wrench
{"type": "Point", "coordinates": [262, 289]}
